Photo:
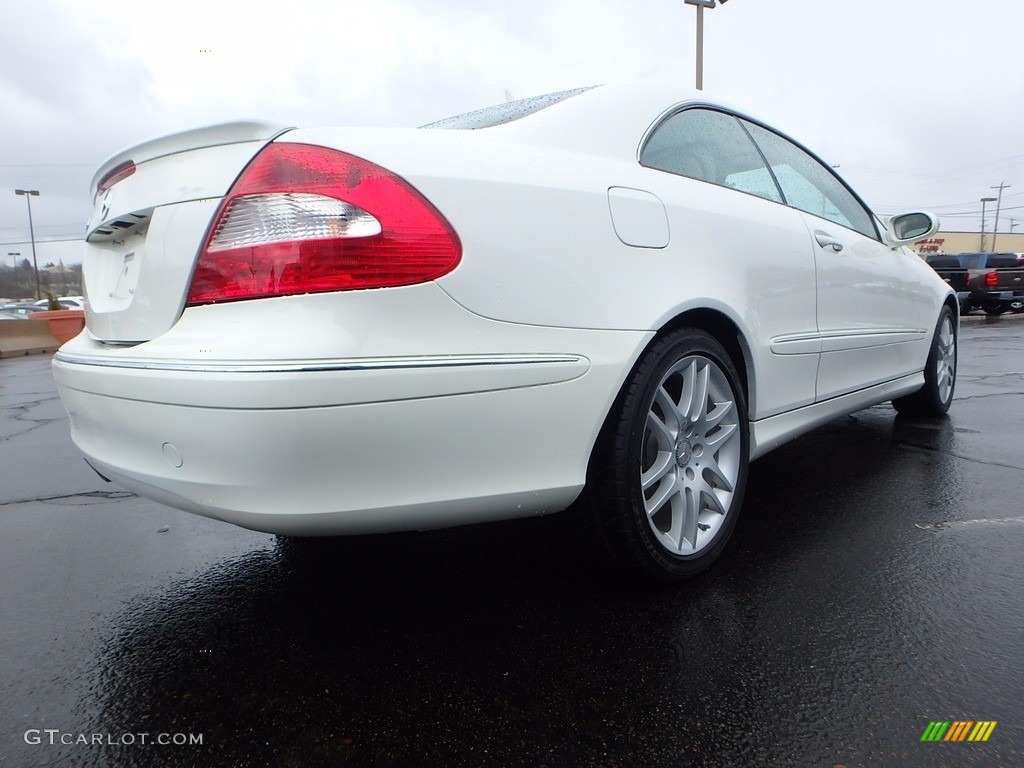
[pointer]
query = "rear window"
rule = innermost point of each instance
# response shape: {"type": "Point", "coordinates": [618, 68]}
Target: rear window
{"type": "Point", "coordinates": [993, 260]}
{"type": "Point", "coordinates": [500, 114]}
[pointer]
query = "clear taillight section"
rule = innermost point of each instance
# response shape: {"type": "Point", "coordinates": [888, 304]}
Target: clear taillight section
{"type": "Point", "coordinates": [305, 219]}
{"type": "Point", "coordinates": [280, 217]}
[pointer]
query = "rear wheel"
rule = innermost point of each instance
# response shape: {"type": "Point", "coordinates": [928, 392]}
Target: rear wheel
{"type": "Point", "coordinates": [668, 474]}
{"type": "Point", "coordinates": [995, 309]}
{"type": "Point", "coordinates": [934, 398]}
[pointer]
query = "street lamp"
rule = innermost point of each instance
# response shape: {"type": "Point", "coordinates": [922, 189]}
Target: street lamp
{"type": "Point", "coordinates": [984, 201]}
{"type": "Point", "coordinates": [31, 232]}
{"type": "Point", "coordinates": [14, 256]}
{"type": "Point", "coordinates": [701, 5]}
{"type": "Point", "coordinates": [999, 202]}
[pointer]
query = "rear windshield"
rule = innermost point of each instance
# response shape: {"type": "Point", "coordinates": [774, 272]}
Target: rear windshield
{"type": "Point", "coordinates": [994, 260]}
{"type": "Point", "coordinates": [500, 114]}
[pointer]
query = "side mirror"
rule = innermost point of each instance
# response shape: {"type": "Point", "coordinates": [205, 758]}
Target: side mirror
{"type": "Point", "coordinates": [906, 228]}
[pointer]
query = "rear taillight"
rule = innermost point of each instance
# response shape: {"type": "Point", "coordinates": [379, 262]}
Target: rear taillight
{"type": "Point", "coordinates": [991, 279]}
{"type": "Point", "coordinates": [305, 219]}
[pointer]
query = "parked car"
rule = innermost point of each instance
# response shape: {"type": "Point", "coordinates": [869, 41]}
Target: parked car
{"type": "Point", "coordinates": [610, 298]}
{"type": "Point", "coordinates": [21, 309]}
{"type": "Point", "coordinates": [67, 302]}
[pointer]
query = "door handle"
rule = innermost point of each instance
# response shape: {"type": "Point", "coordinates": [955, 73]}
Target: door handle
{"type": "Point", "coordinates": [825, 240]}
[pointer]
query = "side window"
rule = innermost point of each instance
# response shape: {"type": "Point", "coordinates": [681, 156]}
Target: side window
{"type": "Point", "coordinates": [808, 185]}
{"type": "Point", "coordinates": [709, 146]}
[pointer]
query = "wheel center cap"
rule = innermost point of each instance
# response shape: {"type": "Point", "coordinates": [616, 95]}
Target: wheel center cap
{"type": "Point", "coordinates": [684, 452]}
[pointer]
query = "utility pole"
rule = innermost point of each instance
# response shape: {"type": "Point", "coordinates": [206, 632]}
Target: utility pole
{"type": "Point", "coordinates": [999, 201]}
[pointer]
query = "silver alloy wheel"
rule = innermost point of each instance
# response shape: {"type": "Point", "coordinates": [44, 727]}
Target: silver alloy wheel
{"type": "Point", "coordinates": [945, 359]}
{"type": "Point", "coordinates": [691, 455]}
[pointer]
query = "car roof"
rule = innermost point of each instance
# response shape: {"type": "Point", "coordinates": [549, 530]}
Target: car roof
{"type": "Point", "coordinates": [624, 109]}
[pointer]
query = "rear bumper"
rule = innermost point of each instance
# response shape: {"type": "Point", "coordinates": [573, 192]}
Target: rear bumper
{"type": "Point", "coordinates": [337, 469]}
{"type": "Point", "coordinates": [346, 444]}
{"type": "Point", "coordinates": [996, 297]}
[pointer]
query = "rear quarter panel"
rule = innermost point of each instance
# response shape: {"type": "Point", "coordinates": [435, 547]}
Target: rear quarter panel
{"type": "Point", "coordinates": [540, 247]}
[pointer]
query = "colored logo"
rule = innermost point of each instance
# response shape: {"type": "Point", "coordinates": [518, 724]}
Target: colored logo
{"type": "Point", "coordinates": [958, 730]}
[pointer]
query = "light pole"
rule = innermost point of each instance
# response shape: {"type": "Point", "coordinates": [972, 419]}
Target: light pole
{"type": "Point", "coordinates": [701, 5]}
{"type": "Point", "coordinates": [14, 258]}
{"type": "Point", "coordinates": [984, 201]}
{"type": "Point", "coordinates": [31, 232]}
{"type": "Point", "coordinates": [999, 202]}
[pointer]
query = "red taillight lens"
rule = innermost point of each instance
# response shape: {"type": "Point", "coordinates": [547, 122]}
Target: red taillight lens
{"type": "Point", "coordinates": [116, 174]}
{"type": "Point", "coordinates": [991, 279]}
{"type": "Point", "coordinates": [305, 219]}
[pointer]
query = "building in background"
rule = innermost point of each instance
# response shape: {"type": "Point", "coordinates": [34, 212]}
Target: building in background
{"type": "Point", "coordinates": [969, 242]}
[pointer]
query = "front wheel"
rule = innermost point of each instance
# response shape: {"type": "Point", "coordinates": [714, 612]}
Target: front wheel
{"type": "Point", "coordinates": [934, 398]}
{"type": "Point", "coordinates": [669, 471]}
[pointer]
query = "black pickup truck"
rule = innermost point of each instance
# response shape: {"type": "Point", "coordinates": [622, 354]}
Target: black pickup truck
{"type": "Point", "coordinates": [993, 282]}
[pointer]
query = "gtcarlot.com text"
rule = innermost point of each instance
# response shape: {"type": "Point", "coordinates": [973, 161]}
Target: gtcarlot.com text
{"type": "Point", "coordinates": [54, 736]}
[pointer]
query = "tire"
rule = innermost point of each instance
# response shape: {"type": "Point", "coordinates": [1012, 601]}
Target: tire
{"type": "Point", "coordinates": [1017, 306]}
{"type": "Point", "coordinates": [669, 470]}
{"type": "Point", "coordinates": [966, 307]}
{"type": "Point", "coordinates": [995, 309]}
{"type": "Point", "coordinates": [935, 397]}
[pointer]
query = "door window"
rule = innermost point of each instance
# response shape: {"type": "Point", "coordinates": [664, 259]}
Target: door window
{"type": "Point", "coordinates": [809, 185]}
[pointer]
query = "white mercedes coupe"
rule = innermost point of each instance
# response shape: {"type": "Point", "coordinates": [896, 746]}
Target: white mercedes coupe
{"type": "Point", "coordinates": [612, 298]}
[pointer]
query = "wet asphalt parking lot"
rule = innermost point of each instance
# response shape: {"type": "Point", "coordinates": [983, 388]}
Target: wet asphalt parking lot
{"type": "Point", "coordinates": [875, 584]}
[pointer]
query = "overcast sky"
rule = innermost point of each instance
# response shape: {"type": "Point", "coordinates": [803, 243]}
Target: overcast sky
{"type": "Point", "coordinates": [919, 102]}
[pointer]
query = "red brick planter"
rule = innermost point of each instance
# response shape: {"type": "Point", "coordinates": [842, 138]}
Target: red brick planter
{"type": "Point", "coordinates": [65, 324]}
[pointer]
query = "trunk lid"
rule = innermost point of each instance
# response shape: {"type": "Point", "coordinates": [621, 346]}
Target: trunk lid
{"type": "Point", "coordinates": [147, 228]}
